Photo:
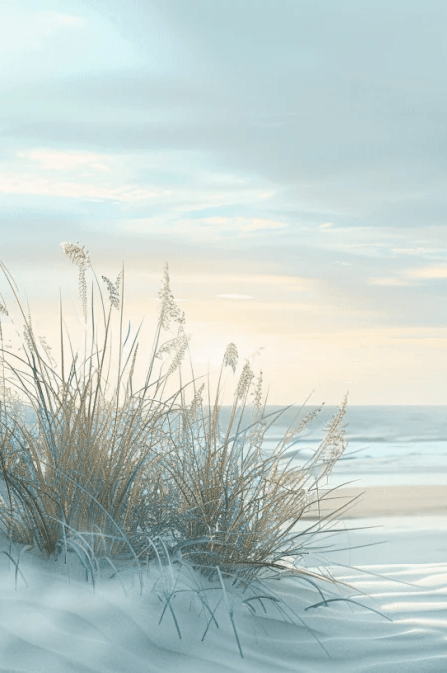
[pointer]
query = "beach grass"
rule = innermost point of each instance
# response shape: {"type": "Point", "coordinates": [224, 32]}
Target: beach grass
{"type": "Point", "coordinates": [109, 470]}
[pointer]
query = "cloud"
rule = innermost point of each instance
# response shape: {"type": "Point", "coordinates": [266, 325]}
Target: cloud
{"type": "Point", "coordinates": [303, 169]}
{"type": "Point", "coordinates": [258, 225]}
{"type": "Point", "coordinates": [234, 296]}
{"type": "Point", "coordinates": [22, 31]}
{"type": "Point", "coordinates": [427, 273]}
{"type": "Point", "coordinates": [200, 228]}
{"type": "Point", "coordinates": [44, 49]}
{"type": "Point", "coordinates": [36, 186]}
{"type": "Point", "coordinates": [132, 177]}
{"type": "Point", "coordinates": [59, 19]}
{"type": "Point", "coordinates": [409, 277]}
{"type": "Point", "coordinates": [329, 98]}
{"type": "Point", "coordinates": [390, 281]}
{"type": "Point", "coordinates": [418, 251]}
{"type": "Point", "coordinates": [58, 160]}
{"type": "Point", "coordinates": [243, 224]}
{"type": "Point", "coordinates": [428, 335]}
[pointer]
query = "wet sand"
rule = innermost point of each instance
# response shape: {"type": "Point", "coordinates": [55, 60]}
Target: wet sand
{"type": "Point", "coordinates": [385, 501]}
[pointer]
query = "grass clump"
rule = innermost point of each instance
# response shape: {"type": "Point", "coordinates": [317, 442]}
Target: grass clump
{"type": "Point", "coordinates": [80, 467]}
{"type": "Point", "coordinates": [238, 506]}
{"type": "Point", "coordinates": [92, 464]}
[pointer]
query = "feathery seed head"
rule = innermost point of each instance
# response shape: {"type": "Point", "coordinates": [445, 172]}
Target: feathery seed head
{"type": "Point", "coordinates": [306, 420]}
{"type": "Point", "coordinates": [28, 335]}
{"type": "Point", "coordinates": [166, 347]}
{"type": "Point", "coordinates": [231, 357]}
{"type": "Point", "coordinates": [181, 346]}
{"type": "Point", "coordinates": [114, 295]}
{"type": "Point", "coordinates": [257, 393]}
{"type": "Point", "coordinates": [169, 309]}
{"type": "Point", "coordinates": [196, 402]}
{"type": "Point", "coordinates": [244, 381]}
{"type": "Point", "coordinates": [3, 309]}
{"type": "Point", "coordinates": [76, 254]}
{"type": "Point", "coordinates": [79, 256]}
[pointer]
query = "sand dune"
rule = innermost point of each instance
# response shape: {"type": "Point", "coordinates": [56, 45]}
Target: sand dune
{"type": "Point", "coordinates": [54, 625]}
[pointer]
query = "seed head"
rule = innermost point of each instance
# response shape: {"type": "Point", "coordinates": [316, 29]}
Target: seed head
{"type": "Point", "coordinates": [79, 256]}
{"type": "Point", "coordinates": [257, 393]}
{"type": "Point", "coordinates": [231, 357]}
{"type": "Point", "coordinates": [113, 289]}
{"type": "Point", "coordinates": [196, 402]}
{"type": "Point", "coordinates": [169, 309]}
{"type": "Point", "coordinates": [181, 346]}
{"type": "Point", "coordinates": [76, 254]}
{"type": "Point", "coordinates": [244, 381]}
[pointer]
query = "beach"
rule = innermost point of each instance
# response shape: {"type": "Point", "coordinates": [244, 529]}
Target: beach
{"type": "Point", "coordinates": [223, 299]}
{"type": "Point", "coordinates": [59, 625]}
{"type": "Point", "coordinates": [387, 501]}
{"type": "Point", "coordinates": [389, 547]}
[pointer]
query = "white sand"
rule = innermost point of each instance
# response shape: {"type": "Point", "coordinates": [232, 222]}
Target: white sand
{"type": "Point", "coordinates": [53, 626]}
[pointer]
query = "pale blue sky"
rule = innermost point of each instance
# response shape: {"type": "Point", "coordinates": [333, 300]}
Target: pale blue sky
{"type": "Point", "coordinates": [286, 157]}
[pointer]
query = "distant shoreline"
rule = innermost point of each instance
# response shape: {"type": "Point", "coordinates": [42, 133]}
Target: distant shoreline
{"type": "Point", "coordinates": [382, 501]}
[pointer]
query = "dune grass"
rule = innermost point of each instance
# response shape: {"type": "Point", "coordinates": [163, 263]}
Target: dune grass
{"type": "Point", "coordinates": [109, 471]}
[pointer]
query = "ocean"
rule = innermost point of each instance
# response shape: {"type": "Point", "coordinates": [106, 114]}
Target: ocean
{"type": "Point", "coordinates": [387, 445]}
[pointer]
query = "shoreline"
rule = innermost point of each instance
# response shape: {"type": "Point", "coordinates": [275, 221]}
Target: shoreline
{"type": "Point", "coordinates": [383, 501]}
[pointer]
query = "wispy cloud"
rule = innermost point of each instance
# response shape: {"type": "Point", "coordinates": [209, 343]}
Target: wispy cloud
{"type": "Point", "coordinates": [427, 273]}
{"type": "Point", "coordinates": [409, 277]}
{"type": "Point", "coordinates": [73, 190]}
{"type": "Point", "coordinates": [57, 160]}
{"type": "Point", "coordinates": [419, 251]}
{"type": "Point", "coordinates": [262, 282]}
{"type": "Point", "coordinates": [389, 281]}
{"type": "Point", "coordinates": [104, 176]}
{"type": "Point", "coordinates": [243, 224]}
{"type": "Point", "coordinates": [234, 296]}
{"type": "Point", "coordinates": [24, 31]}
{"type": "Point", "coordinates": [198, 228]}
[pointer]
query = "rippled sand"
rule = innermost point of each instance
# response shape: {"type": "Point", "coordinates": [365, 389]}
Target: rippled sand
{"type": "Point", "coordinates": [54, 625]}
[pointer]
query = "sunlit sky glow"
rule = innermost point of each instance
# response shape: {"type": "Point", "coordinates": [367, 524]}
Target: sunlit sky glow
{"type": "Point", "coordinates": [286, 158]}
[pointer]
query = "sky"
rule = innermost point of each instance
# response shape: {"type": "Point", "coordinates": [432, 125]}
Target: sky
{"type": "Point", "coordinates": [286, 158]}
